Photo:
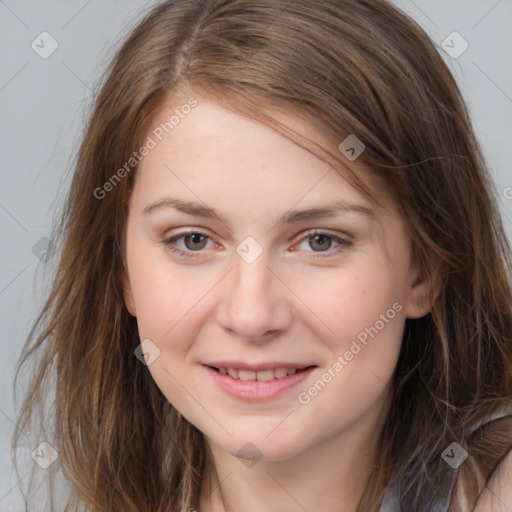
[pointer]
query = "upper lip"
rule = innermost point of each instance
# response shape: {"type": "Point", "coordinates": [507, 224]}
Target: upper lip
{"type": "Point", "coordinates": [257, 367]}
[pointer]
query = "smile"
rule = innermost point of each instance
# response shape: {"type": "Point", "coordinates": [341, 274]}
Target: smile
{"type": "Point", "coordinates": [257, 384]}
{"type": "Point", "coordinates": [261, 376]}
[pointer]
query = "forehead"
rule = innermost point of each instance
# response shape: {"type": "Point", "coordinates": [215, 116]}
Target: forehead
{"type": "Point", "coordinates": [220, 150]}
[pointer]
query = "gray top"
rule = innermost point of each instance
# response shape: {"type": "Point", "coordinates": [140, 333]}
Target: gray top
{"type": "Point", "coordinates": [392, 503]}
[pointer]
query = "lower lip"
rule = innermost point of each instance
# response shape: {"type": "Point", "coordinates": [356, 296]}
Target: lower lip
{"type": "Point", "coordinates": [257, 390]}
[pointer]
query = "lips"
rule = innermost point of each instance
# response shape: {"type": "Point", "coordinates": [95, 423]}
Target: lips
{"type": "Point", "coordinates": [260, 382]}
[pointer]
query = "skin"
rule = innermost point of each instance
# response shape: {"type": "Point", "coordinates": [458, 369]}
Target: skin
{"type": "Point", "coordinates": [294, 303]}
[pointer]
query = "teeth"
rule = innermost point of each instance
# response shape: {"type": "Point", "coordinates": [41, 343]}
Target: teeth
{"type": "Point", "coordinates": [281, 372]}
{"type": "Point", "coordinates": [261, 376]}
{"type": "Point", "coordinates": [246, 375]}
{"type": "Point", "coordinates": [265, 375]}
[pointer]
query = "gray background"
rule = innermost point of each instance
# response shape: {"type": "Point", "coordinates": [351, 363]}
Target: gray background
{"type": "Point", "coordinates": [42, 107]}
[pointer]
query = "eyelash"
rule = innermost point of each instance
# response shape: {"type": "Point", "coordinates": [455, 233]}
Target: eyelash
{"type": "Point", "coordinates": [343, 243]}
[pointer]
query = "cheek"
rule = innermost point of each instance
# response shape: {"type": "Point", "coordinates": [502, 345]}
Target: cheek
{"type": "Point", "coordinates": [363, 305]}
{"type": "Point", "coordinates": [163, 296]}
{"type": "Point", "coordinates": [347, 301]}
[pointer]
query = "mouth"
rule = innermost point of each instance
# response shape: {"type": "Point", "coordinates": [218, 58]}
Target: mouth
{"type": "Point", "coordinates": [261, 375]}
{"type": "Point", "coordinates": [258, 383]}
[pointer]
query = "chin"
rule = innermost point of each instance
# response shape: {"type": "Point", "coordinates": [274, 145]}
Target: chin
{"type": "Point", "coordinates": [260, 447]}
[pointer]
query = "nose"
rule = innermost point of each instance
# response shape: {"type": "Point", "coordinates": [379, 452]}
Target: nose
{"type": "Point", "coordinates": [255, 304]}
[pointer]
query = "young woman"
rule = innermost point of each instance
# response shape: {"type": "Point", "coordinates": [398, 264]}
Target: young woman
{"type": "Point", "coordinates": [284, 283]}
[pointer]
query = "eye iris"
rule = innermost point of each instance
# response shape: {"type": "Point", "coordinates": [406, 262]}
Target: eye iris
{"type": "Point", "coordinates": [322, 242]}
{"type": "Point", "coordinates": [198, 241]}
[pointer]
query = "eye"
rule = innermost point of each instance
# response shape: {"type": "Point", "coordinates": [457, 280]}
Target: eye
{"type": "Point", "coordinates": [188, 243]}
{"type": "Point", "coordinates": [192, 243]}
{"type": "Point", "coordinates": [322, 242]}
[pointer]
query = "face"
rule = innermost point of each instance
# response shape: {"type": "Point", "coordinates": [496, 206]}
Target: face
{"type": "Point", "coordinates": [265, 283]}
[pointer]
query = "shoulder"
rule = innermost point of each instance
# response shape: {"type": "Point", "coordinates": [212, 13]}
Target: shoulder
{"type": "Point", "coordinates": [497, 494]}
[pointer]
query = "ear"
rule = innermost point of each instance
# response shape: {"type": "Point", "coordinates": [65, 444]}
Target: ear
{"type": "Point", "coordinates": [424, 288]}
{"type": "Point", "coordinates": [128, 293]}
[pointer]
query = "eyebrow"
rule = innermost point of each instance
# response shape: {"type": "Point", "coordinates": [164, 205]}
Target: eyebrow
{"type": "Point", "coordinates": [292, 216]}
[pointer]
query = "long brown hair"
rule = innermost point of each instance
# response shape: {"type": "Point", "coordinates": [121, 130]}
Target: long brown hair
{"type": "Point", "coordinates": [354, 67]}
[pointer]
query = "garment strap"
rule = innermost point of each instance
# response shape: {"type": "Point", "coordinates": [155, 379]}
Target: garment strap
{"type": "Point", "coordinates": [392, 501]}
{"type": "Point", "coordinates": [490, 442]}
